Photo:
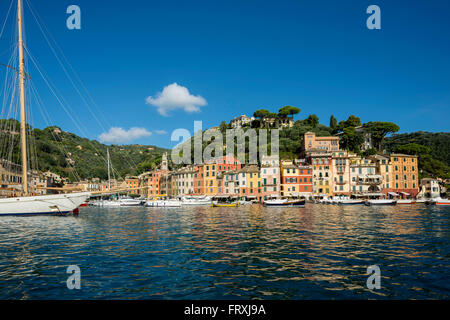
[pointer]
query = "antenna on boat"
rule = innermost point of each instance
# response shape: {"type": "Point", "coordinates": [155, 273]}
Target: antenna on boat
{"type": "Point", "coordinates": [22, 101]}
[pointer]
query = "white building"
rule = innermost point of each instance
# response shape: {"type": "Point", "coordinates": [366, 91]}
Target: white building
{"type": "Point", "coordinates": [429, 188]}
{"type": "Point", "coordinates": [241, 121]}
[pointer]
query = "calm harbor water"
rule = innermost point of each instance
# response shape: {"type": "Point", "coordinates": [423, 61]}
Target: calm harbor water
{"type": "Point", "coordinates": [317, 252]}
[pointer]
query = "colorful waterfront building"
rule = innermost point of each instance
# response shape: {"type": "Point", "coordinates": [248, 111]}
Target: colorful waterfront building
{"type": "Point", "coordinates": [363, 177]}
{"type": "Point", "coordinates": [270, 177]}
{"type": "Point", "coordinates": [185, 181]}
{"type": "Point", "coordinates": [296, 179]}
{"type": "Point", "coordinates": [230, 185]}
{"type": "Point", "coordinates": [132, 183]}
{"type": "Point", "coordinates": [405, 175]}
{"type": "Point", "coordinates": [199, 188]}
{"type": "Point", "coordinates": [341, 173]}
{"type": "Point", "coordinates": [384, 169]}
{"type": "Point", "coordinates": [215, 166]}
{"type": "Point", "coordinates": [250, 183]}
{"type": "Point", "coordinates": [322, 169]}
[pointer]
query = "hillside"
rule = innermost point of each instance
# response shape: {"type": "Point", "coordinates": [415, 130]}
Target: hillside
{"type": "Point", "coordinates": [74, 157]}
{"type": "Point", "coordinates": [434, 156]}
{"type": "Point", "coordinates": [439, 143]}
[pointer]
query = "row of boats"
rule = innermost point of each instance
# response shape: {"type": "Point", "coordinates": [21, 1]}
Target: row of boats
{"type": "Point", "coordinates": [191, 201]}
{"type": "Point", "coordinates": [208, 201]}
{"type": "Point", "coordinates": [388, 202]}
{"type": "Point", "coordinates": [226, 202]}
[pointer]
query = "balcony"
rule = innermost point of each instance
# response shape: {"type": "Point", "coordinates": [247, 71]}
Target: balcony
{"type": "Point", "coordinates": [341, 182]}
{"type": "Point", "coordinates": [370, 180]}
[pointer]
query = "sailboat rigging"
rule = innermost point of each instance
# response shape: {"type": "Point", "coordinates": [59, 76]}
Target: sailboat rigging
{"type": "Point", "coordinates": [32, 205]}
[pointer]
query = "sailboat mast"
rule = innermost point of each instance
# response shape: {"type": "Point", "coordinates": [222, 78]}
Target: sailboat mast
{"type": "Point", "coordinates": [23, 136]}
{"type": "Point", "coordinates": [109, 174]}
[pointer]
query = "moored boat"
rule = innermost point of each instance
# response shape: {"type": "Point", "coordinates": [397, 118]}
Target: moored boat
{"type": "Point", "coordinates": [441, 202]}
{"type": "Point", "coordinates": [381, 202]}
{"type": "Point", "coordinates": [349, 202]}
{"type": "Point", "coordinates": [284, 203]}
{"type": "Point", "coordinates": [406, 201]}
{"type": "Point", "coordinates": [128, 202]}
{"type": "Point", "coordinates": [170, 203]}
{"type": "Point", "coordinates": [43, 205]}
{"type": "Point", "coordinates": [196, 201]}
{"type": "Point", "coordinates": [225, 205]}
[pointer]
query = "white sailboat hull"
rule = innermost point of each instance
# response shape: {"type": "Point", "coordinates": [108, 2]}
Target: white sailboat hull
{"type": "Point", "coordinates": [50, 204]}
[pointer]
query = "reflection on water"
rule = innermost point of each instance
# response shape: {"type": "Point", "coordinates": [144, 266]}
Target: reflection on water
{"type": "Point", "coordinates": [317, 252]}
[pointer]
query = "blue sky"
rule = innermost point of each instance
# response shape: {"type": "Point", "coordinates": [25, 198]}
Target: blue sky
{"type": "Point", "coordinates": [240, 56]}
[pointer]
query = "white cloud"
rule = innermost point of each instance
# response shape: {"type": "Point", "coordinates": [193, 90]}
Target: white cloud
{"type": "Point", "coordinates": [160, 132]}
{"type": "Point", "coordinates": [119, 135]}
{"type": "Point", "coordinates": [175, 97]}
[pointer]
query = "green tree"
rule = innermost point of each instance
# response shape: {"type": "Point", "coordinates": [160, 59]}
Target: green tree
{"type": "Point", "coordinates": [260, 115]}
{"type": "Point", "coordinates": [312, 120]}
{"type": "Point", "coordinates": [413, 149]}
{"type": "Point", "coordinates": [352, 121]}
{"type": "Point", "coordinates": [288, 111]}
{"type": "Point", "coordinates": [333, 124]}
{"type": "Point", "coordinates": [351, 139]}
{"type": "Point", "coordinates": [379, 130]}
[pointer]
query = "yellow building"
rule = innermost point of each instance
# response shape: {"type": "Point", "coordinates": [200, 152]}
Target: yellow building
{"type": "Point", "coordinates": [210, 179]}
{"type": "Point", "coordinates": [250, 183]}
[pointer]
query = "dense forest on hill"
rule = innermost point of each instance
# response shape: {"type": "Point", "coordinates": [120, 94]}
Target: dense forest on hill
{"type": "Point", "coordinates": [74, 157]}
{"type": "Point", "coordinates": [439, 143]}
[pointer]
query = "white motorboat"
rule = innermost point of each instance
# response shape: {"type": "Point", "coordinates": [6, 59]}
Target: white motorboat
{"type": "Point", "coordinates": [406, 201]}
{"type": "Point", "coordinates": [111, 204]}
{"type": "Point", "coordinates": [170, 203]}
{"type": "Point", "coordinates": [381, 202]}
{"type": "Point", "coordinates": [128, 202]}
{"type": "Point", "coordinates": [196, 201]}
{"type": "Point", "coordinates": [348, 202]}
{"type": "Point", "coordinates": [440, 202]}
{"type": "Point", "coordinates": [49, 204]}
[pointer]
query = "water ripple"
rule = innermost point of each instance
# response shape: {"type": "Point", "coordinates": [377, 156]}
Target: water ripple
{"type": "Point", "coordinates": [319, 252]}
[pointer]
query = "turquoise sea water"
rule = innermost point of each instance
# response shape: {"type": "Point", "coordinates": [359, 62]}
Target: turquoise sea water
{"type": "Point", "coordinates": [252, 252]}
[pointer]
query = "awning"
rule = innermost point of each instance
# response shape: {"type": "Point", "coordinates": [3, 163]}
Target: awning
{"type": "Point", "coordinates": [250, 197]}
{"type": "Point", "coordinates": [405, 193]}
{"type": "Point", "coordinates": [393, 194]}
{"type": "Point", "coordinates": [373, 194]}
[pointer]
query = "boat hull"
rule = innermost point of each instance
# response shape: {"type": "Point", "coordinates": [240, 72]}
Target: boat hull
{"type": "Point", "coordinates": [59, 204]}
{"type": "Point", "coordinates": [350, 203]}
{"type": "Point", "coordinates": [231, 205]}
{"type": "Point", "coordinates": [163, 204]}
{"type": "Point", "coordinates": [381, 203]}
{"type": "Point", "coordinates": [406, 201]}
{"type": "Point", "coordinates": [300, 203]}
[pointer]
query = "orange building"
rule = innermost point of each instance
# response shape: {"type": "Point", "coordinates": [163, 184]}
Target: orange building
{"type": "Point", "coordinates": [296, 180]}
{"type": "Point", "coordinates": [132, 183]}
{"type": "Point", "coordinates": [404, 175]}
{"type": "Point", "coordinates": [199, 180]}
{"type": "Point", "coordinates": [325, 144]}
